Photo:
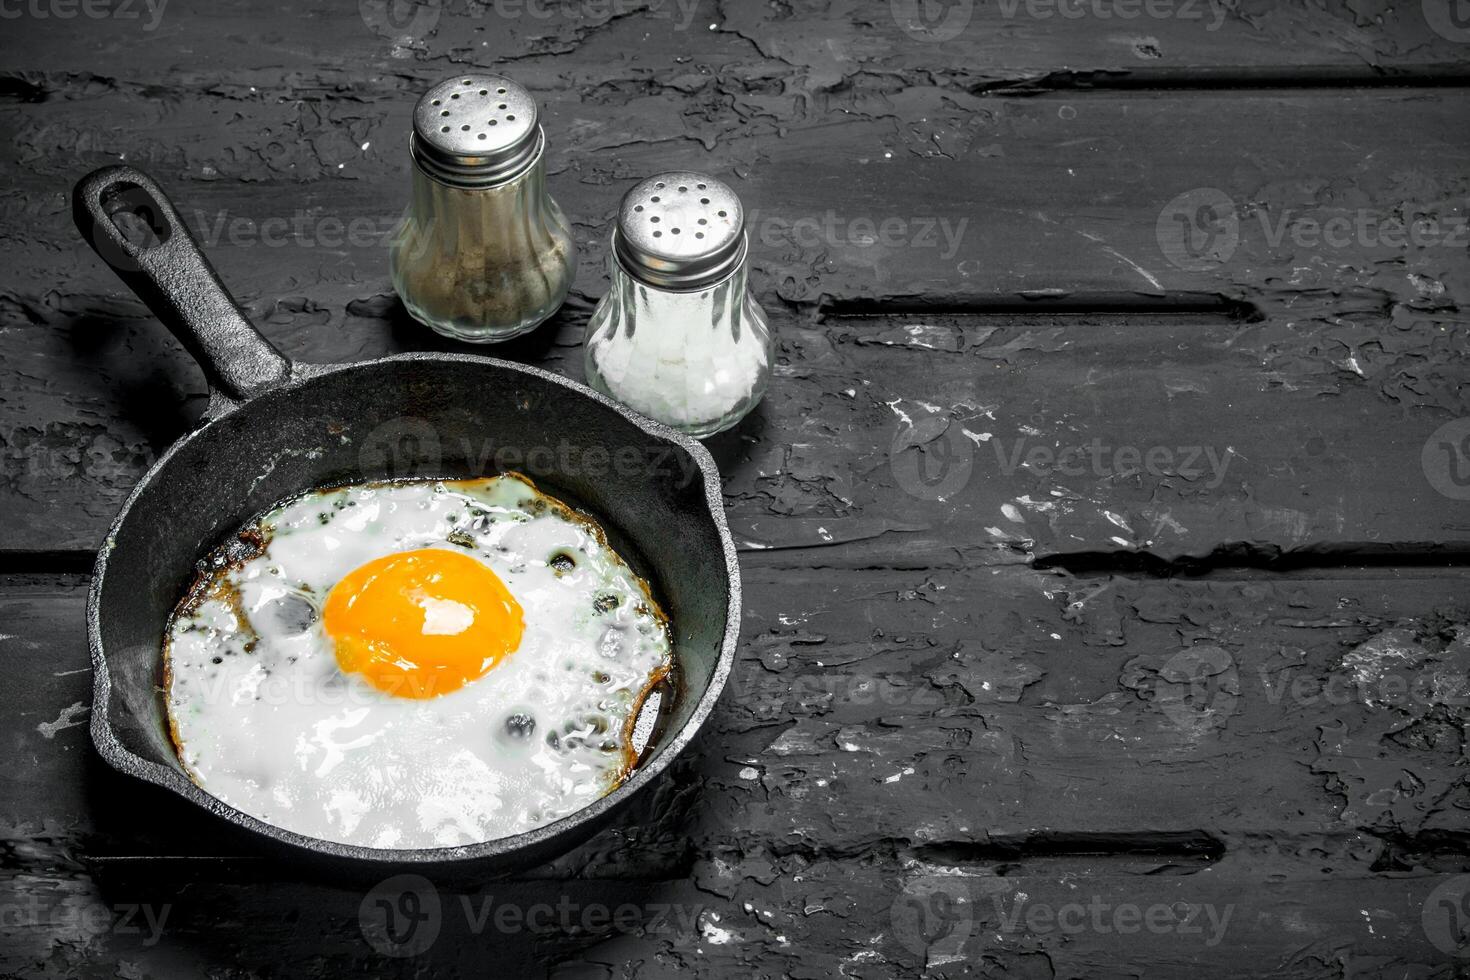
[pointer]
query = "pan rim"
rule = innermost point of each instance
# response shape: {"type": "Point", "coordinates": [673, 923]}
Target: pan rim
{"type": "Point", "coordinates": [125, 760]}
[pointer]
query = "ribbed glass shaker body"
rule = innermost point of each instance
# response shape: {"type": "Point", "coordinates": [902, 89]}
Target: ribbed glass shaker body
{"type": "Point", "coordinates": [483, 253]}
{"type": "Point", "coordinates": [483, 264]}
{"type": "Point", "coordinates": [697, 360]}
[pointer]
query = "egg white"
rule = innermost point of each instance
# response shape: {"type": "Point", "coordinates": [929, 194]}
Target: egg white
{"type": "Point", "coordinates": [264, 720]}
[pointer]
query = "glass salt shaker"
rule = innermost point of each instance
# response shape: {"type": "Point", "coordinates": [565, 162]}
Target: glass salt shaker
{"type": "Point", "coordinates": [678, 337]}
{"type": "Point", "coordinates": [483, 253]}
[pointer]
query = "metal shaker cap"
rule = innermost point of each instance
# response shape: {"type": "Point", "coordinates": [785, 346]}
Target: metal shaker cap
{"type": "Point", "coordinates": [680, 231]}
{"type": "Point", "coordinates": [475, 130]}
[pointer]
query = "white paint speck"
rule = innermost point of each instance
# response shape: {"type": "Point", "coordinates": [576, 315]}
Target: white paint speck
{"type": "Point", "coordinates": [909, 771]}
{"type": "Point", "coordinates": [70, 717]}
{"type": "Point", "coordinates": [1134, 266]}
{"type": "Point", "coordinates": [713, 934]}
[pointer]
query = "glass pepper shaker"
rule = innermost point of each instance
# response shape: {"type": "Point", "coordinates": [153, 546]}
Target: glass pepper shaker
{"type": "Point", "coordinates": [483, 253]}
{"type": "Point", "coordinates": [678, 337]}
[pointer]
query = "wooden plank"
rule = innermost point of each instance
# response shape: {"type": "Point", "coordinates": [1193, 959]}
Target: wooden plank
{"type": "Point", "coordinates": [880, 710]}
{"type": "Point", "coordinates": [954, 707]}
{"type": "Point", "coordinates": [800, 919]}
{"type": "Point", "coordinates": [815, 47]}
{"type": "Point", "coordinates": [928, 195]}
{"type": "Point", "coordinates": [1010, 438]}
{"type": "Point", "coordinates": [1034, 436]}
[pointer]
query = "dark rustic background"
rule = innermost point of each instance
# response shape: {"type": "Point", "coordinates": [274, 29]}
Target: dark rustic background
{"type": "Point", "coordinates": [1219, 678]}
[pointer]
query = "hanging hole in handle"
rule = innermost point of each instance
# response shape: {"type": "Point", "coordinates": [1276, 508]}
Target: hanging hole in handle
{"type": "Point", "coordinates": [135, 215]}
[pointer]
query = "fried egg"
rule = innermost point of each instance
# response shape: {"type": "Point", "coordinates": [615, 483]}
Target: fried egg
{"type": "Point", "coordinates": [417, 664]}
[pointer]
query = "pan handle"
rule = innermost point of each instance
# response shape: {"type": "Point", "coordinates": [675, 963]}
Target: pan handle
{"type": "Point", "coordinates": [161, 263]}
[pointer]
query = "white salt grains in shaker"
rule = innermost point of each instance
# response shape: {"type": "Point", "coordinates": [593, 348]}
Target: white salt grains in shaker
{"type": "Point", "coordinates": [677, 337]}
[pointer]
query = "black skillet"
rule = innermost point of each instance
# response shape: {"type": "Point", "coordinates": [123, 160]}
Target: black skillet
{"type": "Point", "coordinates": [273, 428]}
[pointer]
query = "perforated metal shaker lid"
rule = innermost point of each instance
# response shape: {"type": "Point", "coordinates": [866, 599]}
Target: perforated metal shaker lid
{"type": "Point", "coordinates": [680, 230]}
{"type": "Point", "coordinates": [475, 130]}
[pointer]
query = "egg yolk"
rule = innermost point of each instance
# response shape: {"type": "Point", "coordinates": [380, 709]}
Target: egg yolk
{"type": "Point", "coordinates": [422, 623]}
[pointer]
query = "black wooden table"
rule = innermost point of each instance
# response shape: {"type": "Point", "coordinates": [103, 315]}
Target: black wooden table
{"type": "Point", "coordinates": [1104, 534]}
